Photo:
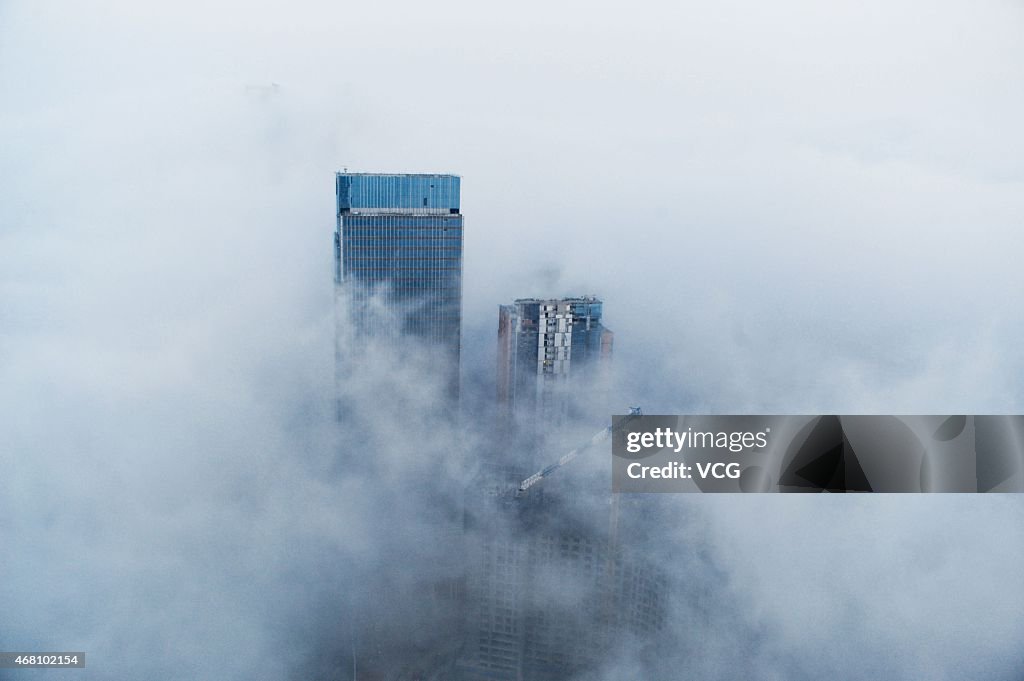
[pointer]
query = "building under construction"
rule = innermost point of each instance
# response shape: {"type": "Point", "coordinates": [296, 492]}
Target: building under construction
{"type": "Point", "coordinates": [542, 345]}
{"type": "Point", "coordinates": [535, 586]}
{"type": "Point", "coordinates": [550, 593]}
{"type": "Point", "coordinates": [550, 589]}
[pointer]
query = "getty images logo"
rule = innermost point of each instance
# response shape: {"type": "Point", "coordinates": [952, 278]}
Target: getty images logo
{"type": "Point", "coordinates": [667, 438]}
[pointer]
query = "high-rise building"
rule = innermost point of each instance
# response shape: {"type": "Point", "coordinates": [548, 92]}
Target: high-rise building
{"type": "Point", "coordinates": [548, 596]}
{"type": "Point", "coordinates": [398, 260]}
{"type": "Point", "coordinates": [542, 346]}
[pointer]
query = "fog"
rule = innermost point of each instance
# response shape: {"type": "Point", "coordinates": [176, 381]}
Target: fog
{"type": "Point", "coordinates": [788, 208]}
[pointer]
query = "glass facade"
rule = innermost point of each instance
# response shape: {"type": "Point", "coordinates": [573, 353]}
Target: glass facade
{"type": "Point", "coordinates": [399, 243]}
{"type": "Point", "coordinates": [374, 191]}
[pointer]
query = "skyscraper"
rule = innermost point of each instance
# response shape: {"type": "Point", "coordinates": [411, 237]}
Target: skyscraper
{"type": "Point", "coordinates": [398, 261]}
{"type": "Point", "coordinates": [541, 344]}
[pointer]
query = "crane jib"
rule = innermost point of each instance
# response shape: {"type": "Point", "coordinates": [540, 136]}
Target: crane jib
{"type": "Point", "coordinates": [601, 435]}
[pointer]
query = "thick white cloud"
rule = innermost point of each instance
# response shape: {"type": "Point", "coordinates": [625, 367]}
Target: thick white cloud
{"type": "Point", "coordinates": [792, 207]}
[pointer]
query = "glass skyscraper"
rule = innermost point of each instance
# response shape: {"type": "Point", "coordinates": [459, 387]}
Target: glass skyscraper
{"type": "Point", "coordinates": [398, 259]}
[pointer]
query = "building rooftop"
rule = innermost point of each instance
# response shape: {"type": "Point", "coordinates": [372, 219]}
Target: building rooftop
{"type": "Point", "coordinates": [348, 174]}
{"type": "Point", "coordinates": [565, 299]}
{"type": "Point", "coordinates": [404, 191]}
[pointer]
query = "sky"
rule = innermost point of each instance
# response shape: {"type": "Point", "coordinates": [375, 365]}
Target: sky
{"type": "Point", "coordinates": [792, 207]}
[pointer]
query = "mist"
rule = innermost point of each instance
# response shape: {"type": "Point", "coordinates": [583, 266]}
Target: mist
{"type": "Point", "coordinates": [786, 209]}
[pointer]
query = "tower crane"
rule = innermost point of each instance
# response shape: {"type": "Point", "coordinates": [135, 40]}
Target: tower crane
{"type": "Point", "coordinates": [599, 437]}
{"type": "Point", "coordinates": [608, 607]}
